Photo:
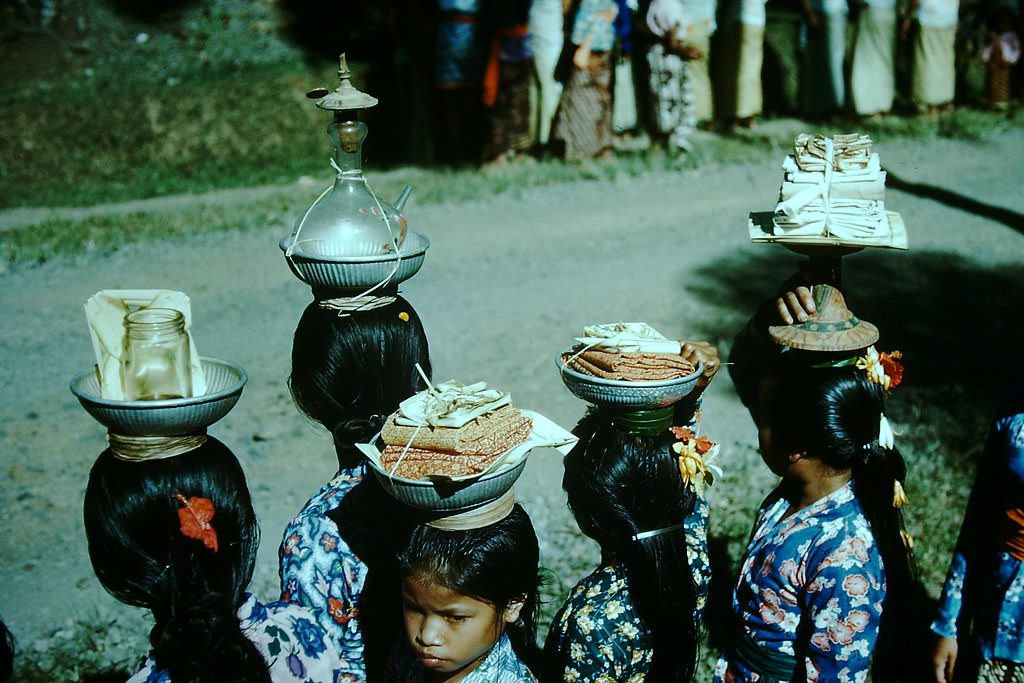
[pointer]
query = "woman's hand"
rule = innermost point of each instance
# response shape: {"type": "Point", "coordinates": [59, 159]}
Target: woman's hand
{"type": "Point", "coordinates": [701, 352]}
{"type": "Point", "coordinates": [944, 659]}
{"type": "Point", "coordinates": [796, 305]}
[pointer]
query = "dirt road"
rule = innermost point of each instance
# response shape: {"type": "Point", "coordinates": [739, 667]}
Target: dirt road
{"type": "Point", "coordinates": [507, 283]}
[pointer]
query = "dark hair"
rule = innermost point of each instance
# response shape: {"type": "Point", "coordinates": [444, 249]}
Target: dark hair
{"type": "Point", "coordinates": [349, 372]}
{"type": "Point", "coordinates": [142, 558]}
{"type": "Point", "coordinates": [497, 564]}
{"type": "Point", "coordinates": [833, 415]}
{"type": "Point", "coordinates": [618, 485]}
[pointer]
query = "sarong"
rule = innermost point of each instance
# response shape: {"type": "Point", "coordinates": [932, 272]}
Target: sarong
{"type": "Point", "coordinates": [934, 66]}
{"type": "Point", "coordinates": [509, 117]}
{"type": "Point", "coordinates": [743, 54]}
{"type": "Point", "coordinates": [584, 118]}
{"type": "Point", "coordinates": [872, 76]}
{"type": "Point", "coordinates": [700, 80]}
{"type": "Point", "coordinates": [461, 53]}
{"type": "Point", "coordinates": [822, 86]}
{"type": "Point", "coordinates": [672, 102]}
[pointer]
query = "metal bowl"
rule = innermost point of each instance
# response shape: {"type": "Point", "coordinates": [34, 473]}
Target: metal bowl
{"type": "Point", "coordinates": [350, 272]}
{"type": "Point", "coordinates": [168, 417]}
{"type": "Point", "coordinates": [627, 394]}
{"type": "Point", "coordinates": [450, 496]}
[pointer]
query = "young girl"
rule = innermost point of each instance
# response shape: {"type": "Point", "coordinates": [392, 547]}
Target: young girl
{"type": "Point", "coordinates": [177, 535]}
{"type": "Point", "coordinates": [636, 616]}
{"type": "Point", "coordinates": [337, 557]}
{"type": "Point", "coordinates": [826, 574]}
{"type": "Point", "coordinates": [470, 601]}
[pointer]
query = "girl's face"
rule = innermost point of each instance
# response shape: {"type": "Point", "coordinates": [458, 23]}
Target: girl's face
{"type": "Point", "coordinates": [451, 633]}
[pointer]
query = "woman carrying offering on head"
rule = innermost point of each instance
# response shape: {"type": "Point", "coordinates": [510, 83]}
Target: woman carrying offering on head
{"type": "Point", "coordinates": [349, 371]}
{"type": "Point", "coordinates": [175, 532]}
{"type": "Point", "coordinates": [635, 484]}
{"type": "Point", "coordinates": [825, 579]}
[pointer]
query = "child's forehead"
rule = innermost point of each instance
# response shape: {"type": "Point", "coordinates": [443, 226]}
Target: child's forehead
{"type": "Point", "coordinates": [428, 591]}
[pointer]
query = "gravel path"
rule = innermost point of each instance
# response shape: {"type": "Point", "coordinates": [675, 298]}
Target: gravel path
{"type": "Point", "coordinates": [507, 283]}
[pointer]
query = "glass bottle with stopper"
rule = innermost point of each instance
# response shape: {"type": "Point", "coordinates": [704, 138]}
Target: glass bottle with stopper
{"type": "Point", "coordinates": [348, 220]}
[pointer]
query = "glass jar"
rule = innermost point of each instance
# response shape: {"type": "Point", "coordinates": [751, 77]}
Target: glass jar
{"type": "Point", "coordinates": [156, 363]}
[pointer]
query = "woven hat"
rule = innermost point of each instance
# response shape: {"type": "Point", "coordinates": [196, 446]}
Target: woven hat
{"type": "Point", "coordinates": [833, 327]}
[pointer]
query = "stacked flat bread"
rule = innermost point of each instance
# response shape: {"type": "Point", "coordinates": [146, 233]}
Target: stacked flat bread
{"type": "Point", "coordinates": [632, 352]}
{"type": "Point", "coordinates": [451, 430]}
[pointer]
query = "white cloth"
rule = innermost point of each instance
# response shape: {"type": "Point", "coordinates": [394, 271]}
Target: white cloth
{"type": "Point", "coordinates": [664, 15]}
{"type": "Point", "coordinates": [700, 11]}
{"type": "Point", "coordinates": [938, 13]}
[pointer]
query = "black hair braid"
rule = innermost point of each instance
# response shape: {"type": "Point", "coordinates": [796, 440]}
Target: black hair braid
{"type": "Point", "coordinates": [202, 642]}
{"type": "Point", "coordinates": [874, 482]}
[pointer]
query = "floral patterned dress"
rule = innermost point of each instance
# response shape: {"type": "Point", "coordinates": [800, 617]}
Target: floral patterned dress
{"type": "Point", "coordinates": [985, 584]}
{"type": "Point", "coordinates": [293, 645]}
{"type": "Point", "coordinates": [320, 572]}
{"type": "Point", "coordinates": [816, 577]}
{"type": "Point", "coordinates": [598, 633]}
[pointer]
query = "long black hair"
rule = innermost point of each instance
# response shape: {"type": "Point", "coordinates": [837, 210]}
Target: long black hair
{"type": "Point", "coordinates": [351, 371]}
{"type": "Point", "coordinates": [497, 564]}
{"type": "Point", "coordinates": [618, 485]}
{"type": "Point", "coordinates": [833, 414]}
{"type": "Point", "coordinates": [142, 558]}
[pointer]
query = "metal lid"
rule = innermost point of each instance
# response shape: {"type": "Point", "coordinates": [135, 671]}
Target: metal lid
{"type": "Point", "coordinates": [346, 96]}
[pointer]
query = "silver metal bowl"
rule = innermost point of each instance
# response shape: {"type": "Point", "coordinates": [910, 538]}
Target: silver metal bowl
{"type": "Point", "coordinates": [626, 394]}
{"type": "Point", "coordinates": [168, 417]}
{"type": "Point", "coordinates": [450, 496]}
{"type": "Point", "coordinates": [351, 272]}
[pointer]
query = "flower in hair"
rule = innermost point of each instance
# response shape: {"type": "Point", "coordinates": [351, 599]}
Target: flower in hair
{"type": "Point", "coordinates": [899, 495]}
{"type": "Point", "coordinates": [696, 457]}
{"type": "Point", "coordinates": [195, 520]}
{"type": "Point", "coordinates": [882, 368]}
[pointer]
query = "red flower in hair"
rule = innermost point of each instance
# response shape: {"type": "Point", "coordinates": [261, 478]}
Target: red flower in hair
{"type": "Point", "coordinates": [195, 520]}
{"type": "Point", "coordinates": [893, 367]}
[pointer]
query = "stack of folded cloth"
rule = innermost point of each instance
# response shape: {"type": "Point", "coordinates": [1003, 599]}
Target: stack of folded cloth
{"type": "Point", "coordinates": [832, 187]}
{"type": "Point", "coordinates": [451, 430]}
{"type": "Point", "coordinates": [633, 352]}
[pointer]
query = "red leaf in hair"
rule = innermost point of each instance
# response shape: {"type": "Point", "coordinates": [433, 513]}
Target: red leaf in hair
{"type": "Point", "coordinates": [893, 367]}
{"type": "Point", "coordinates": [195, 520]}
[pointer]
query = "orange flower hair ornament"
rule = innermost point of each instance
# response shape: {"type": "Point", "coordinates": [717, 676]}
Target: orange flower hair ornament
{"type": "Point", "coordinates": [882, 368]}
{"type": "Point", "coordinates": [696, 456]}
{"type": "Point", "coordinates": [195, 520]}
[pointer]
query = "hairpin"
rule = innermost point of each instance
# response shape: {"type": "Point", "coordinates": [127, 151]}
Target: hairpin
{"type": "Point", "coordinates": [403, 316]}
{"type": "Point", "coordinates": [696, 455]}
{"type": "Point", "coordinates": [195, 520]}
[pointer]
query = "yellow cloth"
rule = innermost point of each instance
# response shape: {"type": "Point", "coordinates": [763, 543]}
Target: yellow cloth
{"type": "Point", "coordinates": [873, 72]}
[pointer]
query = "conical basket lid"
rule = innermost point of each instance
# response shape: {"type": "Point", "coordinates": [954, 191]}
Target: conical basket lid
{"type": "Point", "coordinates": [833, 328]}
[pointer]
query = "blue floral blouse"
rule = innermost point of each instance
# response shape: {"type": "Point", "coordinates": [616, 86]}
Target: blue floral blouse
{"type": "Point", "coordinates": [598, 633]}
{"type": "Point", "coordinates": [595, 19]}
{"type": "Point", "coordinates": [822, 565]}
{"type": "Point", "coordinates": [501, 665]}
{"type": "Point", "coordinates": [991, 578]}
{"type": "Point", "coordinates": [293, 645]}
{"type": "Point", "coordinates": [320, 572]}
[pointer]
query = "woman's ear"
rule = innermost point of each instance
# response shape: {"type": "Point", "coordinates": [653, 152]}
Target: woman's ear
{"type": "Point", "coordinates": [511, 614]}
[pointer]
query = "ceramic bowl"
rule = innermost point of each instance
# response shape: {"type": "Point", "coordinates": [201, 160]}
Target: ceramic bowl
{"type": "Point", "coordinates": [352, 272]}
